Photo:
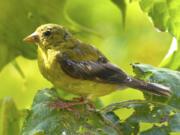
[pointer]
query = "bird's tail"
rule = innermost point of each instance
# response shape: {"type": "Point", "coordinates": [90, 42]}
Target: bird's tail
{"type": "Point", "coordinates": [154, 88]}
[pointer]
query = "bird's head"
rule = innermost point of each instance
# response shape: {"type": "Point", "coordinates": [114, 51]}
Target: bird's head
{"type": "Point", "coordinates": [48, 36]}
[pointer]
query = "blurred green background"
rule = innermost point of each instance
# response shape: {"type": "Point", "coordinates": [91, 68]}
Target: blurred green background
{"type": "Point", "coordinates": [96, 22]}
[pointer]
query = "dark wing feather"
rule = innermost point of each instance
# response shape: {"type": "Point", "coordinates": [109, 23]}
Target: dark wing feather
{"type": "Point", "coordinates": [105, 72]}
{"type": "Point", "coordinates": [101, 71]}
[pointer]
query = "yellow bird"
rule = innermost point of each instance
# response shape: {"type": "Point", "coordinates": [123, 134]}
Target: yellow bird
{"type": "Point", "coordinates": [79, 68]}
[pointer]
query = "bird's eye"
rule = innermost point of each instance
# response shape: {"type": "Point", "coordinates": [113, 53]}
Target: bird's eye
{"type": "Point", "coordinates": [47, 33]}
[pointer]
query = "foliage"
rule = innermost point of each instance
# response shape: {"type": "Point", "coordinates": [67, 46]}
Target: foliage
{"type": "Point", "coordinates": [22, 21]}
{"type": "Point", "coordinates": [160, 113]}
{"type": "Point", "coordinates": [165, 15]}
{"type": "Point", "coordinates": [10, 117]}
{"type": "Point", "coordinates": [42, 119]}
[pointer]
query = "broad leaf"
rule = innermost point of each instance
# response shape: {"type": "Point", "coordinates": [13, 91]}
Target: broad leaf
{"type": "Point", "coordinates": [165, 15]}
{"type": "Point", "coordinates": [21, 18]}
{"type": "Point", "coordinates": [162, 113]}
{"type": "Point", "coordinates": [43, 120]}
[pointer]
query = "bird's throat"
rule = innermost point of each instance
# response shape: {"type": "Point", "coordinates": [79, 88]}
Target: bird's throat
{"type": "Point", "coordinates": [47, 55]}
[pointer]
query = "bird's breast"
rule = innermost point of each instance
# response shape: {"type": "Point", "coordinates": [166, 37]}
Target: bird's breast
{"type": "Point", "coordinates": [51, 70]}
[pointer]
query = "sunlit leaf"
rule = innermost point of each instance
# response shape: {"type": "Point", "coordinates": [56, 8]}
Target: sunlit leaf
{"type": "Point", "coordinates": [165, 15]}
{"type": "Point", "coordinates": [172, 61]}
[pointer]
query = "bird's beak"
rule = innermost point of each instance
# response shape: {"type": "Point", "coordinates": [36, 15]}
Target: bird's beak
{"type": "Point", "coordinates": [34, 37]}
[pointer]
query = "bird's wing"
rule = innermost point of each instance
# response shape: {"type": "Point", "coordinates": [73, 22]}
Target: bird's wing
{"type": "Point", "coordinates": [100, 71]}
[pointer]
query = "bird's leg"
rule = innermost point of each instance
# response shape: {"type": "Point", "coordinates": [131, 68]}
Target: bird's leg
{"type": "Point", "coordinates": [68, 105]}
{"type": "Point", "coordinates": [85, 101]}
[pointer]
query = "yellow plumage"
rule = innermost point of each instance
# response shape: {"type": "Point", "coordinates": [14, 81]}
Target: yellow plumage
{"type": "Point", "coordinates": [79, 68]}
{"type": "Point", "coordinates": [52, 71]}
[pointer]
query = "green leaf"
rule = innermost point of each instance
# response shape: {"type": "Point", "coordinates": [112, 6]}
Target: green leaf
{"type": "Point", "coordinates": [155, 131]}
{"type": "Point", "coordinates": [161, 76]}
{"type": "Point", "coordinates": [162, 113]}
{"type": "Point", "coordinates": [43, 120]}
{"type": "Point", "coordinates": [19, 21]}
{"type": "Point", "coordinates": [172, 60]}
{"type": "Point", "coordinates": [9, 117]}
{"type": "Point", "coordinates": [122, 6]}
{"type": "Point", "coordinates": [165, 15]}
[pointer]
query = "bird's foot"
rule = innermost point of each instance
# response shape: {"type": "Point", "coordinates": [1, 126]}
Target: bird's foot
{"type": "Point", "coordinates": [85, 101]}
{"type": "Point", "coordinates": [68, 105]}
